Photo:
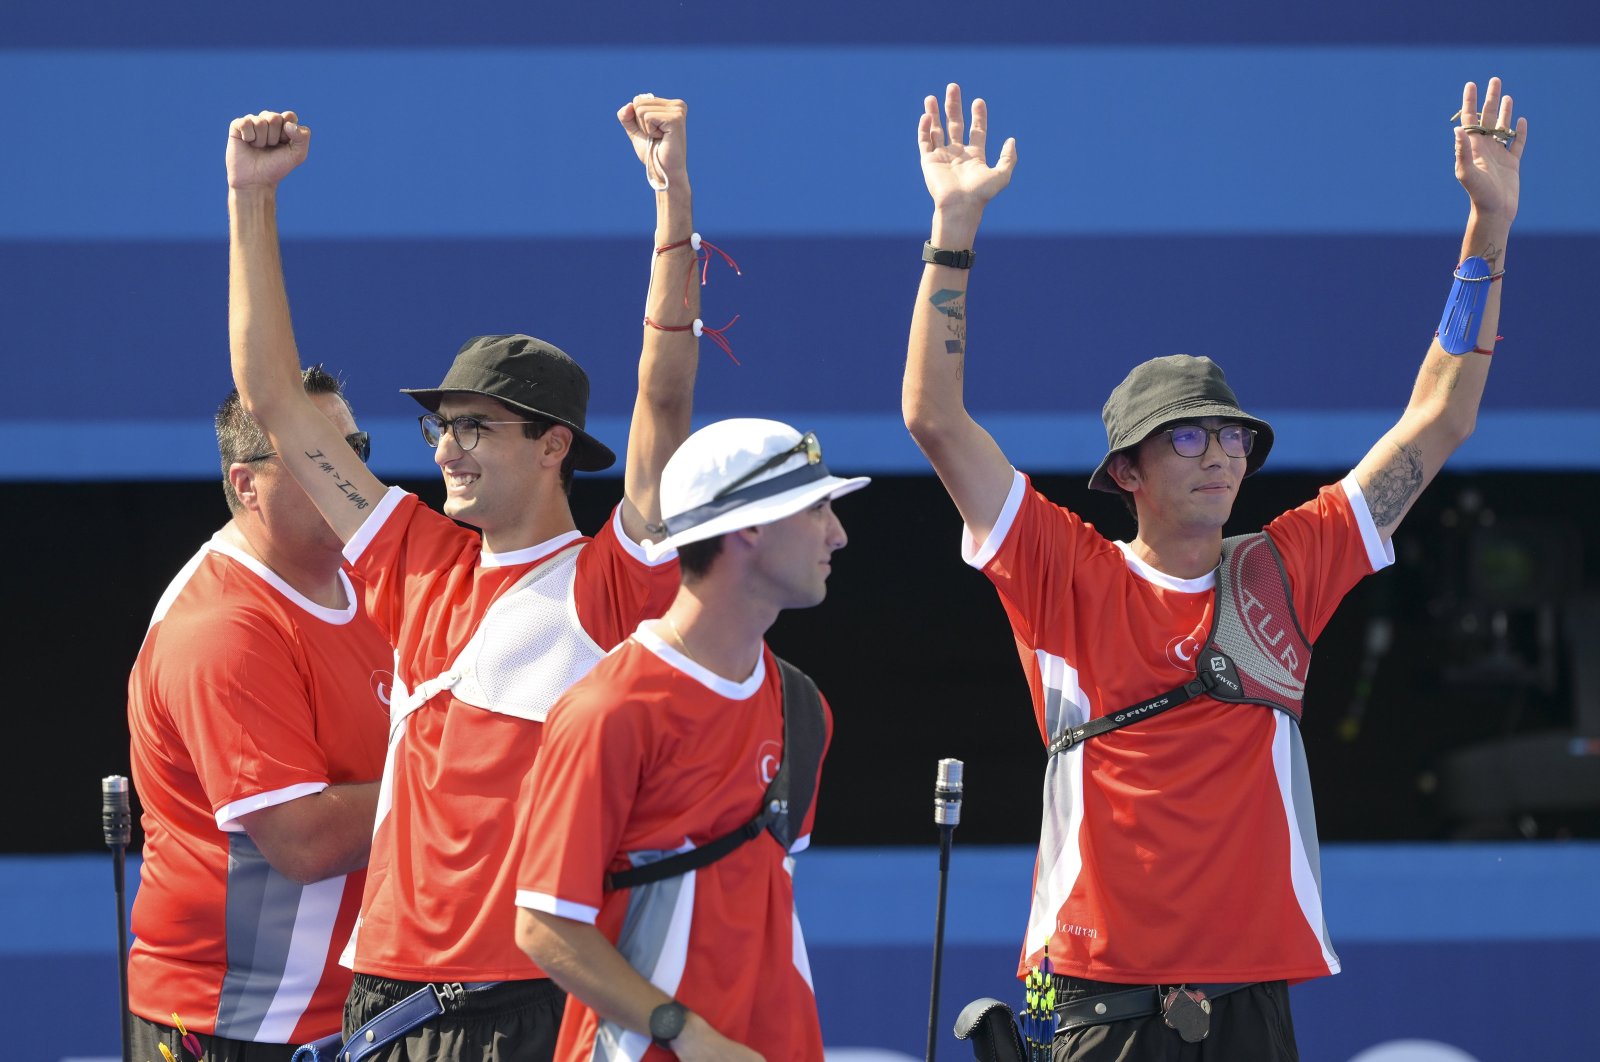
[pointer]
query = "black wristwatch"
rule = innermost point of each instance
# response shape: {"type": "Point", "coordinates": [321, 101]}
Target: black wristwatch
{"type": "Point", "coordinates": [940, 256]}
{"type": "Point", "coordinates": [666, 1023]}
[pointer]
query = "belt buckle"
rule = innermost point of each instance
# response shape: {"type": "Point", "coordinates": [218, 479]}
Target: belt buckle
{"type": "Point", "coordinates": [450, 996]}
{"type": "Point", "coordinates": [1188, 1012]}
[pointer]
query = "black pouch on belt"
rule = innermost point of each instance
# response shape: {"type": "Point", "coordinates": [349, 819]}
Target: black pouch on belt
{"type": "Point", "coordinates": [1187, 1011]}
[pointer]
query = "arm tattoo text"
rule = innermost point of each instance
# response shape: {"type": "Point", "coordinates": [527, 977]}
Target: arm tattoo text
{"type": "Point", "coordinates": [320, 459]}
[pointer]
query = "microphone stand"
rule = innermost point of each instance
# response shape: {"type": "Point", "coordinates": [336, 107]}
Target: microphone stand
{"type": "Point", "coordinates": [946, 815]}
{"type": "Point", "coordinates": [116, 819]}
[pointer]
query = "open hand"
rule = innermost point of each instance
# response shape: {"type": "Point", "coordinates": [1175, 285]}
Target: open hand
{"type": "Point", "coordinates": [263, 148]}
{"type": "Point", "coordinates": [957, 173]}
{"type": "Point", "coordinates": [1489, 150]}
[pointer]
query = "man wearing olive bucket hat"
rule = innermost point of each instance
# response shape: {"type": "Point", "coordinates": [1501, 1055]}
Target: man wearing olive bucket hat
{"type": "Point", "coordinates": [1177, 889]}
{"type": "Point", "coordinates": [489, 626]}
{"type": "Point", "coordinates": [692, 735]}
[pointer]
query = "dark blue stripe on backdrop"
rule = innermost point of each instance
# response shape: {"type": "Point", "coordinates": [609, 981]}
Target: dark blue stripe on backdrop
{"type": "Point", "coordinates": [500, 23]}
{"type": "Point", "coordinates": [137, 332]}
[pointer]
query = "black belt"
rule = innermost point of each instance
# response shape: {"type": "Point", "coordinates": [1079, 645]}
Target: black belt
{"type": "Point", "coordinates": [1133, 1003]}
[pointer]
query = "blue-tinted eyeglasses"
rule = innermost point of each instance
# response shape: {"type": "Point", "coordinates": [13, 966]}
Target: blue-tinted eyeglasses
{"type": "Point", "coordinates": [1191, 440]}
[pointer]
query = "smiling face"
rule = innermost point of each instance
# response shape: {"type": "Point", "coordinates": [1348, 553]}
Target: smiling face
{"type": "Point", "coordinates": [491, 485]}
{"type": "Point", "coordinates": [1181, 494]}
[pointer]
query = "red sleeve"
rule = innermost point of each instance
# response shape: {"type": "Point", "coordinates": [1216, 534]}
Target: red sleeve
{"type": "Point", "coordinates": [1327, 549]}
{"type": "Point", "coordinates": [416, 566]}
{"type": "Point", "coordinates": [617, 588]}
{"type": "Point", "coordinates": [1032, 556]}
{"type": "Point", "coordinates": [242, 707]}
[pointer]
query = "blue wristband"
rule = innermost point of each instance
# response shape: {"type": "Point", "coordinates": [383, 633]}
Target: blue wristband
{"type": "Point", "coordinates": [1463, 311]}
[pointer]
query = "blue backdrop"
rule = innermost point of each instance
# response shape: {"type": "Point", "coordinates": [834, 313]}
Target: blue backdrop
{"type": "Point", "coordinates": [1261, 183]}
{"type": "Point", "coordinates": [1487, 949]}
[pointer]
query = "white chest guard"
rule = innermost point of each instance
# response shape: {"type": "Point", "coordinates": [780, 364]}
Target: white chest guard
{"type": "Point", "coordinates": [528, 649]}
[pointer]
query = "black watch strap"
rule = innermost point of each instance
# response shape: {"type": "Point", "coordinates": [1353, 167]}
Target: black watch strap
{"type": "Point", "coordinates": [940, 256]}
{"type": "Point", "coordinates": [666, 1023]}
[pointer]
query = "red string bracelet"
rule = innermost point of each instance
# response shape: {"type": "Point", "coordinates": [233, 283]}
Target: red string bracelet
{"type": "Point", "coordinates": [698, 327]}
{"type": "Point", "coordinates": [702, 255]}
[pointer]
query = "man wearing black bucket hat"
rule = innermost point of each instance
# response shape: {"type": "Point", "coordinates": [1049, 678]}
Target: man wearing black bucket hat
{"type": "Point", "coordinates": [488, 628]}
{"type": "Point", "coordinates": [1177, 889]}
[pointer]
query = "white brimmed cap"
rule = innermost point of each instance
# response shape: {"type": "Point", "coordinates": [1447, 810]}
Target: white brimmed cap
{"type": "Point", "coordinates": [774, 471]}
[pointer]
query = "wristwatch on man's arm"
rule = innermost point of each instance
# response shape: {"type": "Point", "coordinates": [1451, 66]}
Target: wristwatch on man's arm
{"type": "Point", "coordinates": [666, 1023]}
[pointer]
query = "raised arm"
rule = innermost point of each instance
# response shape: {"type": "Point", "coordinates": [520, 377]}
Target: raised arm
{"type": "Point", "coordinates": [658, 130]}
{"type": "Point", "coordinates": [1444, 402]}
{"type": "Point", "coordinates": [967, 459]}
{"type": "Point", "coordinates": [262, 149]}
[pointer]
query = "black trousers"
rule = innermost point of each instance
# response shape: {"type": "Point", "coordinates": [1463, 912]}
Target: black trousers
{"type": "Point", "coordinates": [1250, 1025]}
{"type": "Point", "coordinates": [515, 1021]}
{"type": "Point", "coordinates": [143, 1035]}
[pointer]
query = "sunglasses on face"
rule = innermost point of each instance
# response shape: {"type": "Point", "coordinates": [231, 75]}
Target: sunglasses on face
{"type": "Point", "coordinates": [359, 441]}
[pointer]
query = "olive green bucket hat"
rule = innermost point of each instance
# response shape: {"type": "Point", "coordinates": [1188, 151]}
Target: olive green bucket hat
{"type": "Point", "coordinates": [1163, 390]}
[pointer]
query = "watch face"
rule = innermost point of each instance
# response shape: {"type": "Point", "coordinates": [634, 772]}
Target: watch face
{"type": "Point", "coordinates": [666, 1022]}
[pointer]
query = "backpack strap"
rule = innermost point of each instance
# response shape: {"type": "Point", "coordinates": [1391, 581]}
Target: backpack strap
{"type": "Point", "coordinates": [786, 801]}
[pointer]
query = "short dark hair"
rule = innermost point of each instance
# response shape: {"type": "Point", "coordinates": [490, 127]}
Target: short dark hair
{"type": "Point", "coordinates": [239, 435]}
{"type": "Point", "coordinates": [694, 558]}
{"type": "Point", "coordinates": [535, 429]}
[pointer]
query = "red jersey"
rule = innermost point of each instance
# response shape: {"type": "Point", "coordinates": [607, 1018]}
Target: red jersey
{"type": "Point", "coordinates": [484, 644]}
{"type": "Point", "coordinates": [650, 755]}
{"type": "Point", "coordinates": [1183, 848]}
{"type": "Point", "coordinates": [245, 695]}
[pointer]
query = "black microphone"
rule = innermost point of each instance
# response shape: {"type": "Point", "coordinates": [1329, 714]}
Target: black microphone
{"type": "Point", "coordinates": [117, 821]}
{"type": "Point", "coordinates": [115, 817]}
{"type": "Point", "coordinates": [946, 816]}
{"type": "Point", "coordinates": [947, 794]}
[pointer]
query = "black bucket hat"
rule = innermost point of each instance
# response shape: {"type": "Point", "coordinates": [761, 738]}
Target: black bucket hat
{"type": "Point", "coordinates": [527, 374]}
{"type": "Point", "coordinates": [1162, 390]}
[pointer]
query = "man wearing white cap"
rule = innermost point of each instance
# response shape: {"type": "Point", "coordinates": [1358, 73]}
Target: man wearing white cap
{"type": "Point", "coordinates": [670, 746]}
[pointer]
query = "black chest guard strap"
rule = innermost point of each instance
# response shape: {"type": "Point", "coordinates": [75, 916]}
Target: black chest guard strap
{"type": "Point", "coordinates": [1254, 617]}
{"type": "Point", "coordinates": [788, 795]}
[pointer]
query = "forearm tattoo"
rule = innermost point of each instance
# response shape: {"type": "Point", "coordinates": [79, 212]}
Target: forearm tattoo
{"type": "Point", "coordinates": [1491, 255]}
{"type": "Point", "coordinates": [1395, 484]}
{"type": "Point", "coordinates": [953, 304]}
{"type": "Point", "coordinates": [325, 466]}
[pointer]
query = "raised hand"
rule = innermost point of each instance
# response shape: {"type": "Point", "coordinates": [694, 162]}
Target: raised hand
{"type": "Point", "coordinates": [1489, 150]}
{"type": "Point", "coordinates": [659, 131]}
{"type": "Point", "coordinates": [263, 148]}
{"type": "Point", "coordinates": [958, 173]}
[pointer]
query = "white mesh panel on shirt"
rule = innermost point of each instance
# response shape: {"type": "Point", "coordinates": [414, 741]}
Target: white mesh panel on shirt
{"type": "Point", "coordinates": [529, 647]}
